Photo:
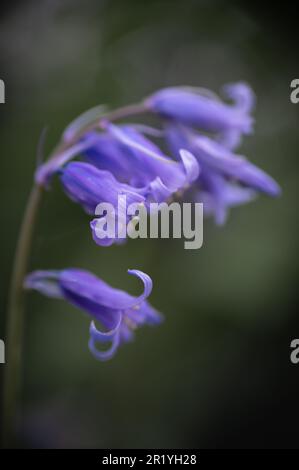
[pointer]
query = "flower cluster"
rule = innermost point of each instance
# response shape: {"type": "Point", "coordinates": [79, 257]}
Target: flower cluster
{"type": "Point", "coordinates": [201, 133]}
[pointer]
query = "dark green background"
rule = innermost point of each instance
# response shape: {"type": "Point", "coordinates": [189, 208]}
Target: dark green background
{"type": "Point", "coordinates": [217, 373]}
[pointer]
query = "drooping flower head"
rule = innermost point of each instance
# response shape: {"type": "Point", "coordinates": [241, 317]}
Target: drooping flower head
{"type": "Point", "coordinates": [88, 186]}
{"type": "Point", "coordinates": [118, 312]}
{"type": "Point", "coordinates": [134, 159]}
{"type": "Point", "coordinates": [123, 162]}
{"type": "Point", "coordinates": [225, 179]}
{"type": "Point", "coordinates": [206, 111]}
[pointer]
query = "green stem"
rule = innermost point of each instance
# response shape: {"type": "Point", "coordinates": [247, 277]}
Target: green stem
{"type": "Point", "coordinates": [15, 317]}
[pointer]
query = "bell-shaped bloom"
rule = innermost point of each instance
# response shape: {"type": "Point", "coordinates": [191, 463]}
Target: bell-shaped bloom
{"type": "Point", "coordinates": [213, 157]}
{"type": "Point", "coordinates": [114, 150]}
{"type": "Point", "coordinates": [198, 108]}
{"type": "Point", "coordinates": [118, 312]}
{"type": "Point", "coordinates": [89, 186]}
{"type": "Point", "coordinates": [134, 159]}
{"type": "Point", "coordinates": [225, 179]}
{"type": "Point", "coordinates": [216, 158]}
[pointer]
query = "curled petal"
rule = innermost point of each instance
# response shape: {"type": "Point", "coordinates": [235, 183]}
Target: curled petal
{"type": "Point", "coordinates": [158, 191]}
{"type": "Point", "coordinates": [93, 293]}
{"type": "Point", "coordinates": [95, 231]}
{"type": "Point", "coordinates": [103, 355]}
{"type": "Point", "coordinates": [100, 236]}
{"type": "Point", "coordinates": [105, 336]}
{"type": "Point", "coordinates": [242, 95]}
{"type": "Point", "coordinates": [190, 165]}
{"type": "Point", "coordinates": [147, 283]}
{"type": "Point", "coordinates": [97, 336]}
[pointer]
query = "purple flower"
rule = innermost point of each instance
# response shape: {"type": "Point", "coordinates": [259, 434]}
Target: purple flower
{"type": "Point", "coordinates": [89, 186]}
{"type": "Point", "coordinates": [134, 159]}
{"type": "Point", "coordinates": [198, 108]}
{"type": "Point", "coordinates": [225, 179]}
{"type": "Point", "coordinates": [118, 312]}
{"type": "Point", "coordinates": [213, 156]}
{"type": "Point", "coordinates": [111, 152]}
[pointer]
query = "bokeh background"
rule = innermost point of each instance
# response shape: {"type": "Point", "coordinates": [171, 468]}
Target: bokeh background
{"type": "Point", "coordinates": [217, 373]}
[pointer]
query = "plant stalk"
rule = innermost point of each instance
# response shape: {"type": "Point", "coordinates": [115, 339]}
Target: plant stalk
{"type": "Point", "coordinates": [15, 318]}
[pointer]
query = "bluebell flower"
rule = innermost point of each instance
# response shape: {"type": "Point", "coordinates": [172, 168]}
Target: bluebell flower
{"type": "Point", "coordinates": [118, 312]}
{"type": "Point", "coordinates": [204, 110]}
{"type": "Point", "coordinates": [132, 158]}
{"type": "Point", "coordinates": [225, 179]}
{"type": "Point", "coordinates": [111, 152]}
{"type": "Point", "coordinates": [89, 186]}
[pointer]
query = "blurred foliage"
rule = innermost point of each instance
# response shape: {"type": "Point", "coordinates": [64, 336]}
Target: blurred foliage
{"type": "Point", "coordinates": [217, 372]}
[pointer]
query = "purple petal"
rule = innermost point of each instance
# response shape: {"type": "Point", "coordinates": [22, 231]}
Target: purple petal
{"type": "Point", "coordinates": [222, 160]}
{"type": "Point", "coordinates": [89, 186]}
{"type": "Point", "coordinates": [190, 165]}
{"type": "Point", "coordinates": [81, 284]}
{"type": "Point", "coordinates": [242, 95]}
{"type": "Point", "coordinates": [104, 239]}
{"type": "Point", "coordinates": [147, 284]}
{"type": "Point", "coordinates": [199, 110]}
{"type": "Point", "coordinates": [94, 338]}
{"type": "Point", "coordinates": [45, 282]}
{"type": "Point", "coordinates": [144, 314]}
{"type": "Point", "coordinates": [105, 336]}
